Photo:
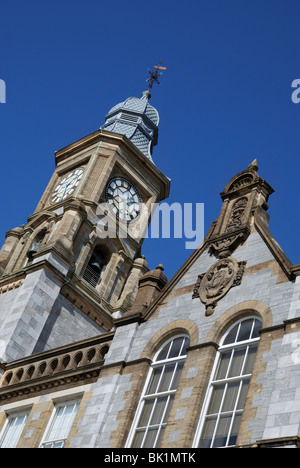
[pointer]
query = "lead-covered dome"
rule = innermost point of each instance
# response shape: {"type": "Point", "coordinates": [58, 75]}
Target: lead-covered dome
{"type": "Point", "coordinates": [137, 120]}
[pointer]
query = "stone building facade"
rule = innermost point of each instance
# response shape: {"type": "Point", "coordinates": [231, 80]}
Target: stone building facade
{"type": "Point", "coordinates": [99, 352]}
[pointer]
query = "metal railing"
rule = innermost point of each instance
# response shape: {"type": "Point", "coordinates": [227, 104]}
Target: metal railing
{"type": "Point", "coordinates": [92, 276]}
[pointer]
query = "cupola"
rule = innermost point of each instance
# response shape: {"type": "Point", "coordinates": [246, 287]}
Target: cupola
{"type": "Point", "coordinates": [137, 120]}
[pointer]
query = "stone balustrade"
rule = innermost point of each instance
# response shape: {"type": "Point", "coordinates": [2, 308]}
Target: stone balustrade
{"type": "Point", "coordinates": [80, 362]}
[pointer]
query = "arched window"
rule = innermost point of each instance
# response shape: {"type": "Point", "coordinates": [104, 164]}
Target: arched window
{"type": "Point", "coordinates": [158, 395]}
{"type": "Point", "coordinates": [96, 266]}
{"type": "Point", "coordinates": [36, 244]}
{"type": "Point", "coordinates": [227, 391]}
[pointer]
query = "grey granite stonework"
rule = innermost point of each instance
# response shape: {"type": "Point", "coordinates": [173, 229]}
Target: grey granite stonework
{"type": "Point", "coordinates": [66, 336]}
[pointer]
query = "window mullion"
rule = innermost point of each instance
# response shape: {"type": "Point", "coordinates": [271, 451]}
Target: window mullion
{"type": "Point", "coordinates": [172, 378]}
{"type": "Point", "coordinates": [159, 394]}
{"type": "Point", "coordinates": [160, 378]}
{"type": "Point", "coordinates": [239, 344]}
{"type": "Point", "coordinates": [71, 419]}
{"type": "Point", "coordinates": [245, 359]}
{"type": "Point", "coordinates": [219, 415]}
{"type": "Point", "coordinates": [161, 422]}
{"type": "Point", "coordinates": [238, 332]}
{"type": "Point", "coordinates": [252, 328]}
{"type": "Point", "coordinates": [149, 421]}
{"type": "Point", "coordinates": [229, 364]}
{"type": "Point", "coordinates": [234, 412]}
{"type": "Point", "coordinates": [236, 378]}
{"type": "Point", "coordinates": [170, 346]}
{"type": "Point", "coordinates": [181, 348]}
{"type": "Point", "coordinates": [168, 361]}
{"type": "Point", "coordinates": [61, 421]}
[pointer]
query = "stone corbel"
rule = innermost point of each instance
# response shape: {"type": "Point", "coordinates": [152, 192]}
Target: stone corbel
{"type": "Point", "coordinates": [225, 245]}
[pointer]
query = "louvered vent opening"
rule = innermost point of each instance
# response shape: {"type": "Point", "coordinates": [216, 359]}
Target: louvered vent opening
{"type": "Point", "coordinates": [130, 117]}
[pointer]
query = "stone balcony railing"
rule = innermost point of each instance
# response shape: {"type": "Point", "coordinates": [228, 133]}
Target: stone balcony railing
{"type": "Point", "coordinates": [79, 362]}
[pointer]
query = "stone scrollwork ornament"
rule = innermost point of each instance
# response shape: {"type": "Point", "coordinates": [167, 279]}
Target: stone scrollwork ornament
{"type": "Point", "coordinates": [219, 279]}
{"type": "Point", "coordinates": [224, 246]}
{"type": "Point", "coordinates": [237, 214]}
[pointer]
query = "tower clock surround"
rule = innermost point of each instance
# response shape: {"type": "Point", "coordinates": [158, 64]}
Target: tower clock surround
{"type": "Point", "coordinates": [67, 185]}
{"type": "Point", "coordinates": [123, 199]}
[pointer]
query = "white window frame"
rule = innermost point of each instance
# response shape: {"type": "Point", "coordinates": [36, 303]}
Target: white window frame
{"type": "Point", "coordinates": [213, 382]}
{"type": "Point", "coordinates": [46, 440]}
{"type": "Point", "coordinates": [169, 393]}
{"type": "Point", "coordinates": [10, 417]}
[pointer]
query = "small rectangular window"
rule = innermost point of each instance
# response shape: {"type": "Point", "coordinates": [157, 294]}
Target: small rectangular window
{"type": "Point", "coordinates": [60, 424]}
{"type": "Point", "coordinates": [13, 429]}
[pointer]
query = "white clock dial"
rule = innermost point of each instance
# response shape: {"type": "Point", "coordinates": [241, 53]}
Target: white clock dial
{"type": "Point", "coordinates": [123, 199]}
{"type": "Point", "coordinates": [67, 185]}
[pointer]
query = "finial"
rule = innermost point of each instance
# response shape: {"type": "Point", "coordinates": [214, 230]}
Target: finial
{"type": "Point", "coordinates": [154, 76]}
{"type": "Point", "coordinates": [253, 165]}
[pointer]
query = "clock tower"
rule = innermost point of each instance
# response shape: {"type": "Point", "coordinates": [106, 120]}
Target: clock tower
{"type": "Point", "coordinates": [75, 267]}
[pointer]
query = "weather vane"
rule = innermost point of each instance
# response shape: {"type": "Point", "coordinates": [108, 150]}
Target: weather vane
{"type": "Point", "coordinates": [154, 75]}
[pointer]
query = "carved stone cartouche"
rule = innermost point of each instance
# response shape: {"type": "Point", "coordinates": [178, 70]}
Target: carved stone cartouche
{"type": "Point", "coordinates": [217, 281]}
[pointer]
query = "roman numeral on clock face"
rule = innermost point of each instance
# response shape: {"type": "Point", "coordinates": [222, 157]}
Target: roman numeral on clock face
{"type": "Point", "coordinates": [123, 198]}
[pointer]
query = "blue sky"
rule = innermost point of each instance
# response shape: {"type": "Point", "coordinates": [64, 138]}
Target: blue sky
{"type": "Point", "coordinates": [224, 100]}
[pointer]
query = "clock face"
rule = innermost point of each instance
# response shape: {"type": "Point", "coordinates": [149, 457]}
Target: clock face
{"type": "Point", "coordinates": [67, 185]}
{"type": "Point", "coordinates": [123, 199]}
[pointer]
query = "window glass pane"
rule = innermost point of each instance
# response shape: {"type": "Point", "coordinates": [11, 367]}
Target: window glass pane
{"type": "Point", "coordinates": [57, 426]}
{"type": "Point", "coordinates": [237, 362]}
{"type": "Point", "coordinates": [60, 444]}
{"type": "Point", "coordinates": [231, 337]}
{"type": "Point", "coordinates": [175, 348]}
{"type": "Point", "coordinates": [245, 330]}
{"type": "Point", "coordinates": [257, 327]}
{"type": "Point", "coordinates": [138, 439]}
{"type": "Point", "coordinates": [231, 396]}
{"type": "Point", "coordinates": [185, 345]}
{"type": "Point", "coordinates": [13, 431]}
{"type": "Point", "coordinates": [166, 378]}
{"type": "Point", "coordinates": [159, 410]}
{"type": "Point", "coordinates": [154, 380]}
{"type": "Point", "coordinates": [171, 398]}
{"type": "Point", "coordinates": [150, 438]}
{"type": "Point", "coordinates": [222, 431]}
{"type": "Point", "coordinates": [216, 399]}
{"type": "Point", "coordinates": [207, 433]}
{"type": "Point", "coordinates": [63, 419]}
{"type": "Point", "coordinates": [176, 376]}
{"type": "Point", "coordinates": [250, 360]}
{"type": "Point", "coordinates": [235, 430]}
{"type": "Point", "coordinates": [223, 365]}
{"type": "Point", "coordinates": [243, 394]}
{"type": "Point", "coordinates": [144, 419]}
{"type": "Point", "coordinates": [164, 352]}
{"type": "Point", "coordinates": [160, 436]}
